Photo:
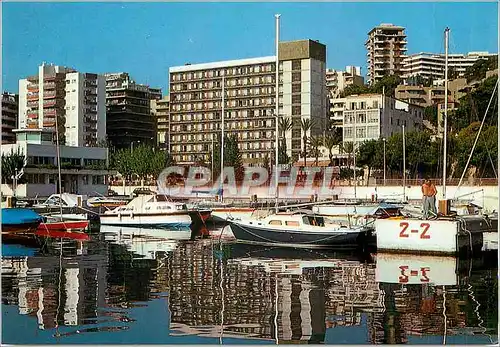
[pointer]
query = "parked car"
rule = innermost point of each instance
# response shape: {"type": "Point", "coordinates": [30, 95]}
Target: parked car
{"type": "Point", "coordinates": [142, 191]}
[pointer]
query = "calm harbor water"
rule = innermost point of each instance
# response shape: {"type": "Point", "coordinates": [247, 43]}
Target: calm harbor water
{"type": "Point", "coordinates": [121, 288]}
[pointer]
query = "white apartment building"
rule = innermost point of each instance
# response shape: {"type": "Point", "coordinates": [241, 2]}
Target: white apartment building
{"type": "Point", "coordinates": [78, 100]}
{"type": "Point", "coordinates": [160, 109]}
{"type": "Point", "coordinates": [337, 81]}
{"type": "Point", "coordinates": [386, 49]}
{"type": "Point", "coordinates": [83, 169]}
{"type": "Point", "coordinates": [432, 65]}
{"type": "Point", "coordinates": [372, 116]}
{"type": "Point", "coordinates": [250, 99]}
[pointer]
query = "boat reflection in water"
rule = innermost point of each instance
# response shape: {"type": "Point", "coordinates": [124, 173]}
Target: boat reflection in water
{"type": "Point", "coordinates": [435, 300]}
{"type": "Point", "coordinates": [141, 286]}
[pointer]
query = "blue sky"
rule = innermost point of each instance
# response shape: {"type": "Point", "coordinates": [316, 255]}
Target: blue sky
{"type": "Point", "coordinates": [145, 39]}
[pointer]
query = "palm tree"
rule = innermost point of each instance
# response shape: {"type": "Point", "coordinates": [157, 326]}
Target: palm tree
{"type": "Point", "coordinates": [306, 125]}
{"type": "Point", "coordinates": [284, 124]}
{"type": "Point", "coordinates": [315, 142]}
{"type": "Point", "coordinates": [329, 142]}
{"type": "Point", "coordinates": [348, 147]}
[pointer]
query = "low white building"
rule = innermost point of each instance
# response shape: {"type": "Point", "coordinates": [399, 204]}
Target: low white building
{"type": "Point", "coordinates": [376, 115]}
{"type": "Point", "coordinates": [83, 169]}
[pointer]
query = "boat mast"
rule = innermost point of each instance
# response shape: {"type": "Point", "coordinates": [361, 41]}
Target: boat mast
{"type": "Point", "coordinates": [354, 154]}
{"type": "Point", "coordinates": [404, 164]}
{"type": "Point", "coordinates": [222, 141]}
{"type": "Point", "coordinates": [446, 34]}
{"type": "Point", "coordinates": [276, 145]}
{"type": "Point", "coordinates": [58, 155]}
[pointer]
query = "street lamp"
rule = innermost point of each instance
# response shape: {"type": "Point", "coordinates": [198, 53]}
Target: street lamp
{"type": "Point", "coordinates": [384, 139]}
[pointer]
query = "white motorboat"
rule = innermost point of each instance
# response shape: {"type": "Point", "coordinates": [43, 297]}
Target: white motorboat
{"type": "Point", "coordinates": [149, 211]}
{"type": "Point", "coordinates": [103, 201]}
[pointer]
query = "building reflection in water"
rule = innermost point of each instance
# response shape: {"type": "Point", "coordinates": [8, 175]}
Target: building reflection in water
{"type": "Point", "coordinates": [286, 296]}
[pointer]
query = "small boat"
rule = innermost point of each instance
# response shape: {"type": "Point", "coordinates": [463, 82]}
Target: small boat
{"type": "Point", "coordinates": [102, 201]}
{"type": "Point", "coordinates": [70, 225]}
{"type": "Point", "coordinates": [299, 230]}
{"type": "Point", "coordinates": [149, 211]}
{"type": "Point", "coordinates": [20, 220]}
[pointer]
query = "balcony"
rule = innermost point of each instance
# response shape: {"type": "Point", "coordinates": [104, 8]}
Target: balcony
{"type": "Point", "coordinates": [49, 85]}
{"type": "Point", "coordinates": [32, 97]}
{"type": "Point", "coordinates": [49, 94]}
{"type": "Point", "coordinates": [33, 115]}
{"type": "Point", "coordinates": [49, 124]}
{"type": "Point", "coordinates": [49, 103]}
{"type": "Point", "coordinates": [32, 87]}
{"type": "Point", "coordinates": [50, 112]}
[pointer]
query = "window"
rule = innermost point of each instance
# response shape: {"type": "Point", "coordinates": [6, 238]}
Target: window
{"type": "Point", "coordinates": [295, 76]}
{"type": "Point", "coordinates": [275, 222]}
{"type": "Point", "coordinates": [296, 88]}
{"type": "Point", "coordinates": [296, 99]}
{"type": "Point", "coordinates": [296, 64]}
{"type": "Point", "coordinates": [292, 223]}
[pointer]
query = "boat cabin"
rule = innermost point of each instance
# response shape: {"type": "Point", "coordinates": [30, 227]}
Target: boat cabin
{"type": "Point", "coordinates": [292, 220]}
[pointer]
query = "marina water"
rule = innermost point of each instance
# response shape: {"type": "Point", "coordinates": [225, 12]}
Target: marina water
{"type": "Point", "coordinates": [147, 289]}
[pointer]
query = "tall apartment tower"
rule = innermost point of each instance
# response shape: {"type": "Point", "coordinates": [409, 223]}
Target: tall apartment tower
{"type": "Point", "coordinates": [386, 46]}
{"type": "Point", "coordinates": [128, 105]}
{"type": "Point", "coordinates": [250, 100]}
{"type": "Point", "coordinates": [161, 111]}
{"type": "Point", "coordinates": [9, 117]}
{"type": "Point", "coordinates": [76, 99]}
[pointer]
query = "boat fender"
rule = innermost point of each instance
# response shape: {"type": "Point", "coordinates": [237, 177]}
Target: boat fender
{"type": "Point", "coordinates": [120, 215]}
{"type": "Point", "coordinates": [132, 215]}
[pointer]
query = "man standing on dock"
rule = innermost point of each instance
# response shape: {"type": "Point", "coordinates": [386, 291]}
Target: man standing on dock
{"type": "Point", "coordinates": [429, 192]}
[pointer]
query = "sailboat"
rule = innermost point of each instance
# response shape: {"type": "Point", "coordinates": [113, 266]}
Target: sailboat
{"type": "Point", "coordinates": [299, 229]}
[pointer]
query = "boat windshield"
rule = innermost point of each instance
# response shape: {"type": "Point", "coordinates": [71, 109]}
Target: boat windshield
{"type": "Point", "coordinates": [314, 220]}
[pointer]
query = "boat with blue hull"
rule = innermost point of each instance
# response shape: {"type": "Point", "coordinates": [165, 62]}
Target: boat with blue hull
{"type": "Point", "coordinates": [299, 230]}
{"type": "Point", "coordinates": [20, 220]}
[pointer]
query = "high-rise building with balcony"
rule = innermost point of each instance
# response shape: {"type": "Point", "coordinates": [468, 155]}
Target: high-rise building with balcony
{"type": "Point", "coordinates": [128, 108]}
{"type": "Point", "coordinates": [432, 65]}
{"type": "Point", "coordinates": [76, 99]}
{"type": "Point", "coordinates": [196, 100]}
{"type": "Point", "coordinates": [161, 111]}
{"type": "Point", "coordinates": [9, 117]}
{"type": "Point", "coordinates": [386, 46]}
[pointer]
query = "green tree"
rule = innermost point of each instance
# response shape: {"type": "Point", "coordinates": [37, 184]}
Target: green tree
{"type": "Point", "coordinates": [348, 148]}
{"type": "Point", "coordinates": [474, 105]}
{"type": "Point", "coordinates": [478, 70]}
{"type": "Point", "coordinates": [306, 125]}
{"type": "Point", "coordinates": [314, 143]}
{"type": "Point", "coordinates": [284, 125]}
{"type": "Point", "coordinates": [387, 84]}
{"type": "Point", "coordinates": [12, 163]}
{"type": "Point", "coordinates": [369, 155]}
{"type": "Point", "coordinates": [329, 142]}
{"type": "Point", "coordinates": [485, 155]}
{"type": "Point", "coordinates": [232, 155]}
{"type": "Point", "coordinates": [354, 89]}
{"type": "Point", "coordinates": [431, 114]}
